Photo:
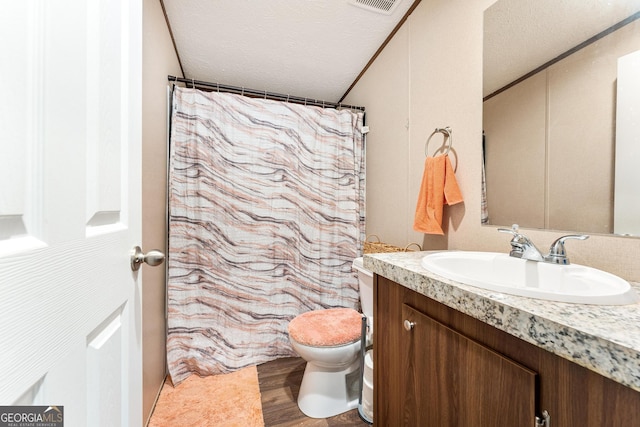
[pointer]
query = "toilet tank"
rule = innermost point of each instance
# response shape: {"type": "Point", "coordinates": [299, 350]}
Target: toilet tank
{"type": "Point", "coordinates": [365, 279]}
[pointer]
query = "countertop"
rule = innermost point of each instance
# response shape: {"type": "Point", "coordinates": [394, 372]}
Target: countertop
{"type": "Point", "coordinates": [602, 338]}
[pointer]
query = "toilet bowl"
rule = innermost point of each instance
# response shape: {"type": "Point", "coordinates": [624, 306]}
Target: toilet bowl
{"type": "Point", "coordinates": [329, 341]}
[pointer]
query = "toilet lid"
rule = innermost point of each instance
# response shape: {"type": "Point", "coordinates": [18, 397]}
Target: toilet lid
{"type": "Point", "coordinates": [326, 328]}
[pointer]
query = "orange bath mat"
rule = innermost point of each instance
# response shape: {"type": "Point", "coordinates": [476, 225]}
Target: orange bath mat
{"type": "Point", "coordinates": [228, 400]}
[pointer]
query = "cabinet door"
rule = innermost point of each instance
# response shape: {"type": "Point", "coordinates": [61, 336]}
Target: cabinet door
{"type": "Point", "coordinates": [451, 380]}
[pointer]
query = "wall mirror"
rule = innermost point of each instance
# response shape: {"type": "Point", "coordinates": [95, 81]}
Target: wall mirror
{"type": "Point", "coordinates": [561, 115]}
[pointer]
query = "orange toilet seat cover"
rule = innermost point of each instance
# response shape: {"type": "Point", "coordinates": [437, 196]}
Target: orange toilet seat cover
{"type": "Point", "coordinates": [326, 328]}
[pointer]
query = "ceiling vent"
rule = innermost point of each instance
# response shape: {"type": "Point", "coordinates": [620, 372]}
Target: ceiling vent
{"type": "Point", "coordinates": [381, 6]}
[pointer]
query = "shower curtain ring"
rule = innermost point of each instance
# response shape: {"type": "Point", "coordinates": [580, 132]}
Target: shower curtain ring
{"type": "Point", "coordinates": [193, 84]}
{"type": "Point", "coordinates": [242, 90]}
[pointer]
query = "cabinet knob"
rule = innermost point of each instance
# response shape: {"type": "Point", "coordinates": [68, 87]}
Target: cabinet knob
{"type": "Point", "coordinates": [408, 325]}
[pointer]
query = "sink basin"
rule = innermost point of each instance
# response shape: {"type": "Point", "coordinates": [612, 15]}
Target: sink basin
{"type": "Point", "coordinates": [502, 273]}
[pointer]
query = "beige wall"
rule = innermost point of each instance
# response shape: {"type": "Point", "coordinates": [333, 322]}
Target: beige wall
{"type": "Point", "coordinates": [441, 47]}
{"type": "Point", "coordinates": [387, 149]}
{"type": "Point", "coordinates": [159, 60]}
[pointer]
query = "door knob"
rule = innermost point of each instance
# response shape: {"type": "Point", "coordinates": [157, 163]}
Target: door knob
{"type": "Point", "coordinates": [153, 258]}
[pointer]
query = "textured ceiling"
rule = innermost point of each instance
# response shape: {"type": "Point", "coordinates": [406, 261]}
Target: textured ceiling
{"type": "Point", "coordinates": [308, 48]}
{"type": "Point", "coordinates": [317, 48]}
{"type": "Point", "coordinates": [521, 35]}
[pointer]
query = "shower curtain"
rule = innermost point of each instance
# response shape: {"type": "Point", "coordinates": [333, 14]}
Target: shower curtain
{"type": "Point", "coordinates": [266, 214]}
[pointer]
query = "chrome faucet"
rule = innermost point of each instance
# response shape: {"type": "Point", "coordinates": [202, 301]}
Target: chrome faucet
{"type": "Point", "coordinates": [557, 253]}
{"type": "Point", "coordinates": [523, 247]}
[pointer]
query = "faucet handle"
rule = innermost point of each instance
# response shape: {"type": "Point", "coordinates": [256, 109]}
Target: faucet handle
{"type": "Point", "coordinates": [513, 230]}
{"type": "Point", "coordinates": [558, 253]}
{"type": "Point", "coordinates": [518, 238]}
{"type": "Point", "coordinates": [517, 242]}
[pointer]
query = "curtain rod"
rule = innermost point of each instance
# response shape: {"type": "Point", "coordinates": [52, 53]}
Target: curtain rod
{"type": "Point", "coordinates": [253, 93]}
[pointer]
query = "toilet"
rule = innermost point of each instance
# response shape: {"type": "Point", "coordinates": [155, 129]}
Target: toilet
{"type": "Point", "coordinates": [330, 341]}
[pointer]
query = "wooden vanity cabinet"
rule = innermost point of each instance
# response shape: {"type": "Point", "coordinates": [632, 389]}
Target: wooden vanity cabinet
{"type": "Point", "coordinates": [452, 380]}
{"type": "Point", "coordinates": [446, 369]}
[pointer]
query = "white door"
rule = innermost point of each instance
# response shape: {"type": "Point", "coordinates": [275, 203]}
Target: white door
{"type": "Point", "coordinates": [70, 131]}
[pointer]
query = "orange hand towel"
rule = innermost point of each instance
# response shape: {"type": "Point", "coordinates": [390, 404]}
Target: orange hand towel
{"type": "Point", "coordinates": [439, 186]}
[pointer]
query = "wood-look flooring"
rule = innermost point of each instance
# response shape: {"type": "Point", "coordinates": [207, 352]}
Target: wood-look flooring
{"type": "Point", "coordinates": [279, 385]}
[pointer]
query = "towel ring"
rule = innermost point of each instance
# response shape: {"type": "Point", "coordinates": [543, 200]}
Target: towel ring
{"type": "Point", "coordinates": [445, 148]}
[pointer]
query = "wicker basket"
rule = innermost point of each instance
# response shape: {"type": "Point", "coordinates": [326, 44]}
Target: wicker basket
{"type": "Point", "coordinates": [379, 247]}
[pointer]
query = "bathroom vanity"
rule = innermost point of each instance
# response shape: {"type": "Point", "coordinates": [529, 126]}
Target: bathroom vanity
{"type": "Point", "coordinates": [448, 354]}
